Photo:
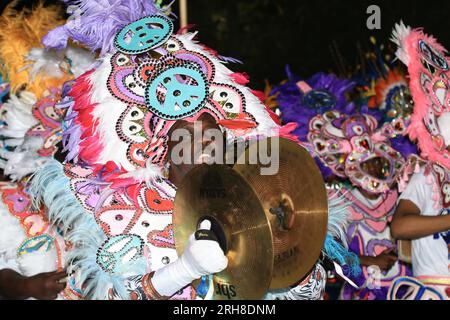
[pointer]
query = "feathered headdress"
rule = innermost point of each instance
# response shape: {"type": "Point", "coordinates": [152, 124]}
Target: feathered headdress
{"type": "Point", "coordinates": [21, 32]}
{"type": "Point", "coordinates": [4, 89]}
{"type": "Point", "coordinates": [31, 126]}
{"type": "Point", "coordinates": [95, 23]}
{"type": "Point", "coordinates": [428, 68]}
{"type": "Point", "coordinates": [383, 92]}
{"type": "Point", "coordinates": [116, 111]}
{"type": "Point", "coordinates": [336, 133]}
{"type": "Point", "coordinates": [299, 101]}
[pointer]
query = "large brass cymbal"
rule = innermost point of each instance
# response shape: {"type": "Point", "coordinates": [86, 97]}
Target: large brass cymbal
{"type": "Point", "coordinates": [295, 202]}
{"type": "Point", "coordinates": [220, 192]}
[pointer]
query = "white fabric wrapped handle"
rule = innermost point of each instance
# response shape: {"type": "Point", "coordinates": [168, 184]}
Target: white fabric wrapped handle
{"type": "Point", "coordinates": [200, 258]}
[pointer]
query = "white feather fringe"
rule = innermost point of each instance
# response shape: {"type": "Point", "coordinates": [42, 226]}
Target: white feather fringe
{"type": "Point", "coordinates": [400, 33]}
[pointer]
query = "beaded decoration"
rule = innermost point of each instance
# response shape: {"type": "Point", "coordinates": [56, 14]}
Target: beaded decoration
{"type": "Point", "coordinates": [144, 34]}
{"type": "Point", "coordinates": [428, 69]}
{"type": "Point", "coordinates": [119, 250]}
{"type": "Point", "coordinates": [156, 86]}
{"type": "Point", "coordinates": [341, 138]}
{"type": "Point", "coordinates": [49, 124]}
{"type": "Point", "coordinates": [343, 143]}
{"type": "Point", "coordinates": [40, 235]}
{"type": "Point", "coordinates": [176, 93]}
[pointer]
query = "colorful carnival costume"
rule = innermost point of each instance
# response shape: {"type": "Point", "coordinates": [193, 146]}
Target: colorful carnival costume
{"type": "Point", "coordinates": [35, 76]}
{"type": "Point", "coordinates": [342, 140]}
{"type": "Point", "coordinates": [112, 199]}
{"type": "Point", "coordinates": [30, 129]}
{"type": "Point", "coordinates": [428, 189]}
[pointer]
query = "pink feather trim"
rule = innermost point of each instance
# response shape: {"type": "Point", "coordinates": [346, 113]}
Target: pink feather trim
{"type": "Point", "coordinates": [417, 131]}
{"type": "Point", "coordinates": [90, 146]}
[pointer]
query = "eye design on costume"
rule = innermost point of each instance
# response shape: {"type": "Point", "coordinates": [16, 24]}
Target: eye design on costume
{"type": "Point", "coordinates": [320, 146]}
{"type": "Point", "coordinates": [431, 123]}
{"type": "Point", "coordinates": [331, 160]}
{"type": "Point", "coordinates": [133, 86]}
{"type": "Point", "coordinates": [39, 128]}
{"type": "Point", "coordinates": [122, 60]}
{"type": "Point", "coordinates": [52, 141]}
{"type": "Point", "coordinates": [358, 130]}
{"type": "Point", "coordinates": [173, 45]}
{"type": "Point", "coordinates": [51, 113]}
{"type": "Point", "coordinates": [146, 72]}
{"type": "Point", "coordinates": [317, 124]}
{"type": "Point", "coordinates": [382, 147]}
{"type": "Point", "coordinates": [229, 99]}
{"type": "Point", "coordinates": [133, 130]}
{"type": "Point", "coordinates": [131, 126]}
{"type": "Point", "coordinates": [440, 90]}
{"type": "Point", "coordinates": [139, 155]}
{"type": "Point", "coordinates": [399, 126]}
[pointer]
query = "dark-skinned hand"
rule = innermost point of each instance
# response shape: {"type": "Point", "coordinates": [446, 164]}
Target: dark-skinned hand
{"type": "Point", "coordinates": [45, 286]}
{"type": "Point", "coordinates": [385, 260]}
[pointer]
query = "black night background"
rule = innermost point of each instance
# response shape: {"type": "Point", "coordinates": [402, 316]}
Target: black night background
{"type": "Point", "coordinates": [268, 34]}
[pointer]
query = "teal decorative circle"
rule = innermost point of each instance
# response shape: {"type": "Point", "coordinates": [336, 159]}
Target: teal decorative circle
{"type": "Point", "coordinates": [113, 261]}
{"type": "Point", "coordinates": [144, 34]}
{"type": "Point", "coordinates": [181, 99]}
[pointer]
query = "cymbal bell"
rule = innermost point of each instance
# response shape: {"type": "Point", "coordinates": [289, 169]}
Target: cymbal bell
{"type": "Point", "coordinates": [220, 193]}
{"type": "Point", "coordinates": [294, 201]}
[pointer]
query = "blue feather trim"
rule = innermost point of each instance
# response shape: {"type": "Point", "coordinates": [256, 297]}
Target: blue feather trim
{"type": "Point", "coordinates": [338, 219]}
{"type": "Point", "coordinates": [336, 252]}
{"type": "Point", "coordinates": [50, 186]}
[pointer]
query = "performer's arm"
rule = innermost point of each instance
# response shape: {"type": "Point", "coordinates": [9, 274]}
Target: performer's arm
{"type": "Point", "coordinates": [408, 224]}
{"type": "Point", "coordinates": [200, 258]}
{"type": "Point", "coordinates": [45, 286]}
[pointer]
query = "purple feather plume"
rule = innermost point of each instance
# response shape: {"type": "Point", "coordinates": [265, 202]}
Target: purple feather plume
{"type": "Point", "coordinates": [291, 103]}
{"type": "Point", "coordinates": [94, 23]}
{"type": "Point", "coordinates": [290, 100]}
{"type": "Point", "coordinates": [71, 130]}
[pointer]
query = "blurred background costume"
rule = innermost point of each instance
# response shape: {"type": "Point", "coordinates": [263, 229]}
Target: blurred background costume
{"type": "Point", "coordinates": [343, 137]}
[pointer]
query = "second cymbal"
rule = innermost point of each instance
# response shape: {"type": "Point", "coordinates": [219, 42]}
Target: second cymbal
{"type": "Point", "coordinates": [295, 202]}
